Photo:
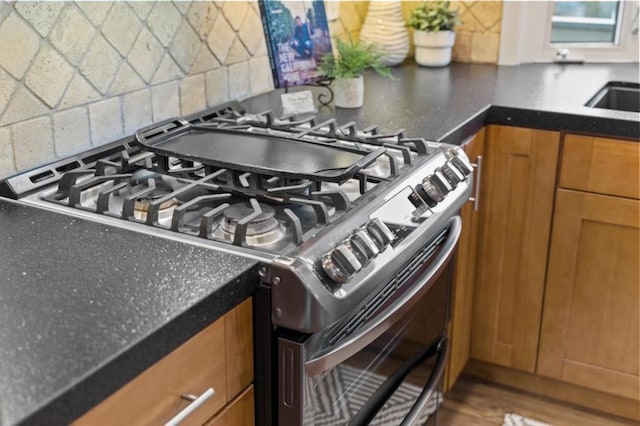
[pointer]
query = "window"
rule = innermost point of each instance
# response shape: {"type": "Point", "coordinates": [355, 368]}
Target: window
{"type": "Point", "coordinates": [593, 31]}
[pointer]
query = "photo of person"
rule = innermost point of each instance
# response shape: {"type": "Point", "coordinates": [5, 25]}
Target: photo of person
{"type": "Point", "coordinates": [301, 40]}
{"type": "Point", "coordinates": [297, 36]}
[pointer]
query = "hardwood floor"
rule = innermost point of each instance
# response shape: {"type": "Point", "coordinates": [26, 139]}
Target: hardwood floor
{"type": "Point", "coordinates": [472, 402]}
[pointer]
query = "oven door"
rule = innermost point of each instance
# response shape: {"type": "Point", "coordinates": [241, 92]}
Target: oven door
{"type": "Point", "coordinates": [389, 370]}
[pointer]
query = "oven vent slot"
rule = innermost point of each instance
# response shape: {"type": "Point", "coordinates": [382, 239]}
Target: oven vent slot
{"type": "Point", "coordinates": [389, 290]}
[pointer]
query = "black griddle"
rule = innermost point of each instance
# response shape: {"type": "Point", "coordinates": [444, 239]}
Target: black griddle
{"type": "Point", "coordinates": [238, 149]}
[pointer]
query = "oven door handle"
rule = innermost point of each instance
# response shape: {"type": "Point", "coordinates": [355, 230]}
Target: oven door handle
{"type": "Point", "coordinates": [380, 397]}
{"type": "Point", "coordinates": [430, 388]}
{"type": "Point", "coordinates": [335, 355]}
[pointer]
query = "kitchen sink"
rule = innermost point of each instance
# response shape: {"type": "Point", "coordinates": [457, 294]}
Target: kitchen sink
{"type": "Point", "coordinates": [617, 95]}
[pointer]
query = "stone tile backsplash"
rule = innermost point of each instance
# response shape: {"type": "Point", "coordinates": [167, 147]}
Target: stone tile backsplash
{"type": "Point", "coordinates": [79, 74]}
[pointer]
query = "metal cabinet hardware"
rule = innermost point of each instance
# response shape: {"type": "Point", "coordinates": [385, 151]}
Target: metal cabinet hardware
{"type": "Point", "coordinates": [476, 195]}
{"type": "Point", "coordinates": [197, 402]}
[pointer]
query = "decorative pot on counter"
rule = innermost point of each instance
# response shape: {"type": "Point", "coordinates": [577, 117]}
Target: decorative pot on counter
{"type": "Point", "coordinates": [433, 48]}
{"type": "Point", "coordinates": [384, 27]}
{"type": "Point", "coordinates": [349, 92]}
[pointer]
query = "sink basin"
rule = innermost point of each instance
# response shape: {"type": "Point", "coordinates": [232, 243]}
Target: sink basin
{"type": "Point", "coordinates": [616, 95]}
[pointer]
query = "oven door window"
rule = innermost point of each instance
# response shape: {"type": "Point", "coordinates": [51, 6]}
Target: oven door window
{"type": "Point", "coordinates": [381, 384]}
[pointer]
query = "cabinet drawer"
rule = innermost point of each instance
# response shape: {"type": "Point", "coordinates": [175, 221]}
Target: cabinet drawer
{"type": "Point", "coordinates": [210, 359]}
{"type": "Point", "coordinates": [604, 166]}
{"type": "Point", "coordinates": [240, 412]}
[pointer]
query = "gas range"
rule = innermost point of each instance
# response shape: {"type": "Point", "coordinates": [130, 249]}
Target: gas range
{"type": "Point", "coordinates": [329, 209]}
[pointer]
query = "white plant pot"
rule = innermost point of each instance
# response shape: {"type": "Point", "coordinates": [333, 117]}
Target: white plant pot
{"type": "Point", "coordinates": [433, 49]}
{"type": "Point", "coordinates": [348, 92]}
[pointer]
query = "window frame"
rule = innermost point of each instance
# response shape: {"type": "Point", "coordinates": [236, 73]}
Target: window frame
{"type": "Point", "coordinates": [521, 41]}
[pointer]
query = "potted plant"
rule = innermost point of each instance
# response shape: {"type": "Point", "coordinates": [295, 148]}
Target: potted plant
{"type": "Point", "coordinates": [433, 23]}
{"type": "Point", "coordinates": [347, 67]}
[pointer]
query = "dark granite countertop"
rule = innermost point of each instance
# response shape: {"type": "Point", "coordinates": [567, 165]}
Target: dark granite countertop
{"type": "Point", "coordinates": [85, 307]}
{"type": "Point", "coordinates": [451, 103]}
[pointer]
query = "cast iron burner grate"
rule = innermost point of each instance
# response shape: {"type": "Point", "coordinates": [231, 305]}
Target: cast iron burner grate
{"type": "Point", "coordinates": [126, 181]}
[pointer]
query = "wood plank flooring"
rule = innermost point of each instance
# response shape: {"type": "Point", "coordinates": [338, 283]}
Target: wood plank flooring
{"type": "Point", "coordinates": [472, 402]}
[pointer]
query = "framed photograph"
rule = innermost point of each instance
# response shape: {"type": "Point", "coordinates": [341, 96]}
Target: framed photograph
{"type": "Point", "coordinates": [297, 35]}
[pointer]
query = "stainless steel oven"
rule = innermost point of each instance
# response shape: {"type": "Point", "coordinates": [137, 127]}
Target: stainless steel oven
{"type": "Point", "coordinates": [384, 363]}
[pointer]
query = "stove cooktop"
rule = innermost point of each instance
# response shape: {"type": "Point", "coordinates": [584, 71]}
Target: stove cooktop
{"type": "Point", "coordinates": [250, 180]}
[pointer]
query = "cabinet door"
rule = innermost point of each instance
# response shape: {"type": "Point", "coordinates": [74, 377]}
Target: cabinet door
{"type": "Point", "coordinates": [515, 224]}
{"type": "Point", "coordinates": [464, 273]}
{"type": "Point", "coordinates": [590, 328]}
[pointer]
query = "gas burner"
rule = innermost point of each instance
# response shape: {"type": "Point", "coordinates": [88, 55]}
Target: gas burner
{"type": "Point", "coordinates": [165, 211]}
{"type": "Point", "coordinates": [262, 229]}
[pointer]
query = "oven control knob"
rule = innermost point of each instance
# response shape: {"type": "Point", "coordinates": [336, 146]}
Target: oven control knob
{"type": "Point", "coordinates": [459, 160]}
{"type": "Point", "coordinates": [441, 182]}
{"type": "Point", "coordinates": [432, 193]}
{"type": "Point", "coordinates": [363, 246]}
{"type": "Point", "coordinates": [452, 175]}
{"type": "Point", "coordinates": [380, 233]}
{"type": "Point", "coordinates": [340, 264]}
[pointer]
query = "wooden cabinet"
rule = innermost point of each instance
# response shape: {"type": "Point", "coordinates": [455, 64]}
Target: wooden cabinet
{"type": "Point", "coordinates": [464, 272]}
{"type": "Point", "coordinates": [591, 318]}
{"type": "Point", "coordinates": [515, 225]}
{"type": "Point", "coordinates": [219, 357]}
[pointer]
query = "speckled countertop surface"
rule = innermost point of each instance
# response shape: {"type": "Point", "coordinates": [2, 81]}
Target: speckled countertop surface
{"type": "Point", "coordinates": [448, 104]}
{"type": "Point", "coordinates": [85, 307]}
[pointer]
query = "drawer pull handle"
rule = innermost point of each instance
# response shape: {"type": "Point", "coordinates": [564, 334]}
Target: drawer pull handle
{"type": "Point", "coordinates": [197, 402]}
{"type": "Point", "coordinates": [476, 197]}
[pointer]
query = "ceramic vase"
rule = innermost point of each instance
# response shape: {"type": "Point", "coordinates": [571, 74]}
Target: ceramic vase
{"type": "Point", "coordinates": [384, 27]}
{"type": "Point", "coordinates": [433, 49]}
{"type": "Point", "coordinates": [348, 92]}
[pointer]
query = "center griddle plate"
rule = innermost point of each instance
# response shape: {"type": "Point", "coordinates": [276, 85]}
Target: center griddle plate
{"type": "Point", "coordinates": [255, 153]}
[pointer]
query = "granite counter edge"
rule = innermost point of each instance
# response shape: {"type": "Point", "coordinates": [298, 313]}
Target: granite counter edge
{"type": "Point", "coordinates": [78, 398]}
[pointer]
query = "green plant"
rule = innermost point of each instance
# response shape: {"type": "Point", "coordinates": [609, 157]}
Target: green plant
{"type": "Point", "coordinates": [352, 60]}
{"type": "Point", "coordinates": [433, 16]}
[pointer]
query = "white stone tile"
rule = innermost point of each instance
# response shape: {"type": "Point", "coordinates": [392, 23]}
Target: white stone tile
{"type": "Point", "coordinates": [32, 143]}
{"type": "Point", "coordinates": [121, 28]}
{"type": "Point", "coordinates": [235, 12]}
{"type": "Point", "coordinates": [237, 53]}
{"type": "Point", "coordinates": [100, 64]}
{"type": "Point", "coordinates": [192, 94]}
{"type": "Point", "coordinates": [40, 14]}
{"type": "Point", "coordinates": [141, 8]}
{"type": "Point", "coordinates": [165, 99]}
{"type": "Point", "coordinates": [164, 21]}
{"type": "Point", "coordinates": [49, 75]}
{"type": "Point", "coordinates": [72, 34]}
{"type": "Point", "coordinates": [239, 80]}
{"type": "Point", "coordinates": [251, 32]}
{"type": "Point", "coordinates": [201, 16]}
{"type": "Point", "coordinates": [220, 38]}
{"type": "Point", "coordinates": [260, 76]}
{"type": "Point", "coordinates": [96, 11]}
{"type": "Point", "coordinates": [18, 45]}
{"type": "Point", "coordinates": [7, 159]}
{"type": "Point", "coordinates": [126, 81]}
{"type": "Point", "coordinates": [205, 61]}
{"type": "Point", "coordinates": [22, 106]}
{"type": "Point", "coordinates": [182, 5]}
{"type": "Point", "coordinates": [146, 55]}
{"type": "Point", "coordinates": [5, 10]}
{"type": "Point", "coordinates": [185, 46]}
{"type": "Point", "coordinates": [71, 131]}
{"type": "Point", "coordinates": [105, 121]}
{"type": "Point", "coordinates": [7, 87]}
{"type": "Point", "coordinates": [217, 85]}
{"type": "Point", "coordinates": [168, 70]}
{"type": "Point", "coordinates": [79, 92]}
{"type": "Point", "coordinates": [136, 110]}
